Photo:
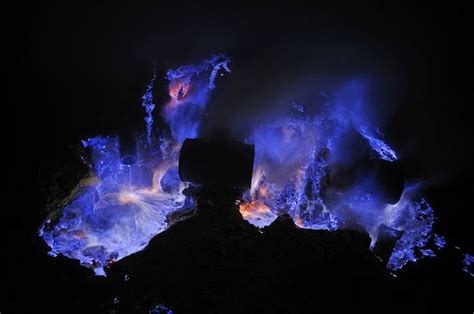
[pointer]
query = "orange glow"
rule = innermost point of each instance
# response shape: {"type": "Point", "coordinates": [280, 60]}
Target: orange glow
{"type": "Point", "coordinates": [128, 197]}
{"type": "Point", "coordinates": [263, 191]}
{"type": "Point", "coordinates": [254, 209]}
{"type": "Point", "coordinates": [179, 90]}
{"type": "Point", "coordinates": [298, 221]}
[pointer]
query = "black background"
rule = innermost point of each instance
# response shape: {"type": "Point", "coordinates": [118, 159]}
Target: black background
{"type": "Point", "coordinates": [74, 71]}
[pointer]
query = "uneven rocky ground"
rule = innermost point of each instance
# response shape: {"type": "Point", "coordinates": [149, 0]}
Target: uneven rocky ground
{"type": "Point", "coordinates": [216, 262]}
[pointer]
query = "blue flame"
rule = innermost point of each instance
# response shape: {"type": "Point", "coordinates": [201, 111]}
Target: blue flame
{"type": "Point", "coordinates": [468, 262]}
{"type": "Point", "coordinates": [384, 151]}
{"type": "Point", "coordinates": [415, 218]}
{"type": "Point", "coordinates": [117, 209]}
{"type": "Point", "coordinates": [190, 86]}
{"type": "Point", "coordinates": [439, 241]}
{"type": "Point", "coordinates": [294, 158]}
{"type": "Point", "coordinates": [147, 102]}
{"type": "Point", "coordinates": [105, 219]}
{"type": "Point", "coordinates": [160, 309]}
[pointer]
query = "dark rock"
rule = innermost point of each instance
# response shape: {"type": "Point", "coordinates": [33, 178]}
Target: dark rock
{"type": "Point", "coordinates": [216, 262]}
{"type": "Point", "coordinates": [357, 163]}
{"type": "Point", "coordinates": [216, 161]}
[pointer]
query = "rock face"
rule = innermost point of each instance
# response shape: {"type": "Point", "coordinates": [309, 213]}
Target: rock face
{"type": "Point", "coordinates": [216, 262]}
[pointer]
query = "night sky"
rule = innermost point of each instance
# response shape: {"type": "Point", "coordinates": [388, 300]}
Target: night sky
{"type": "Point", "coordinates": [78, 71]}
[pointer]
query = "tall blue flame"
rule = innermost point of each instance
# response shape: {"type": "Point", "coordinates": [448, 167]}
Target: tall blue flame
{"type": "Point", "coordinates": [147, 102]}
